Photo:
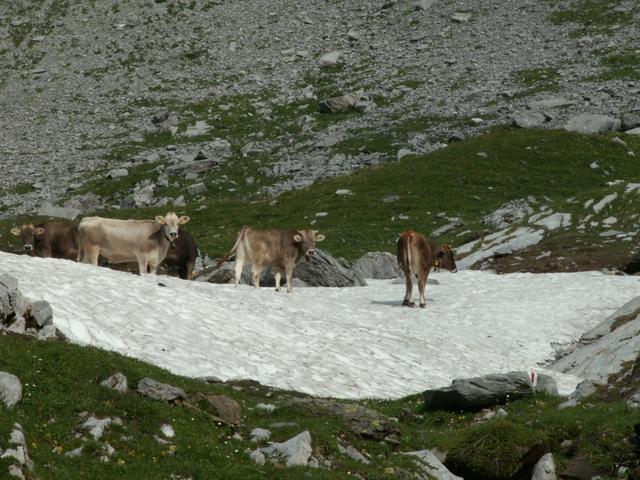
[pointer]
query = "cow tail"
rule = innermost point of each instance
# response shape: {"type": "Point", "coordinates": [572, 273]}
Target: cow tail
{"type": "Point", "coordinates": [231, 252]}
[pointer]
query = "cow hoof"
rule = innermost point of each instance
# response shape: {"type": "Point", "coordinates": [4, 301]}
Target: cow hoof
{"type": "Point", "coordinates": [409, 304]}
{"type": "Point", "coordinates": [423, 305]}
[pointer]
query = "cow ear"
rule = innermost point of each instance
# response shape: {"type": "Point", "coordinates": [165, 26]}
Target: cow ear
{"type": "Point", "coordinates": [183, 219]}
{"type": "Point", "coordinates": [160, 219]}
{"type": "Point", "coordinates": [297, 238]}
{"type": "Point", "coordinates": [16, 231]}
{"type": "Point", "coordinates": [39, 231]}
{"type": "Point", "coordinates": [319, 238]}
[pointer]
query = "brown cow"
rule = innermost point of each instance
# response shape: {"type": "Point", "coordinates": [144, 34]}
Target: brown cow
{"type": "Point", "coordinates": [122, 241]}
{"type": "Point", "coordinates": [182, 254]}
{"type": "Point", "coordinates": [416, 256]}
{"type": "Point", "coordinates": [280, 249]}
{"type": "Point", "coordinates": [57, 240]}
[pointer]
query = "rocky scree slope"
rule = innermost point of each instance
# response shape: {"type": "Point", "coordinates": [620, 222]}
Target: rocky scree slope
{"type": "Point", "coordinates": [83, 82]}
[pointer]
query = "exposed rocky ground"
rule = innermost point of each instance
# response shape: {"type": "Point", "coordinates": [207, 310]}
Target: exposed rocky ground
{"type": "Point", "coordinates": [87, 87]}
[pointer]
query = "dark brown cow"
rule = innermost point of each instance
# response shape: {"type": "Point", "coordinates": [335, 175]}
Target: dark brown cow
{"type": "Point", "coordinates": [57, 240]}
{"type": "Point", "coordinates": [182, 254]}
{"type": "Point", "coordinates": [416, 256]}
{"type": "Point", "coordinates": [280, 249]}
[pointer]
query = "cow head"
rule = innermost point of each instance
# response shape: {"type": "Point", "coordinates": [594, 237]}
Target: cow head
{"type": "Point", "coordinates": [170, 223]}
{"type": "Point", "coordinates": [444, 259]}
{"type": "Point", "coordinates": [28, 234]}
{"type": "Point", "coordinates": [306, 241]}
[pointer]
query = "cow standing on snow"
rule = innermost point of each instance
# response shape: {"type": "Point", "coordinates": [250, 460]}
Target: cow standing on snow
{"type": "Point", "coordinates": [280, 249]}
{"type": "Point", "coordinates": [122, 241]}
{"type": "Point", "coordinates": [416, 256]}
{"type": "Point", "coordinates": [56, 240]}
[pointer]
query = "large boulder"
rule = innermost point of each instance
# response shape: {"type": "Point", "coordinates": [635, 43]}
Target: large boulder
{"type": "Point", "coordinates": [377, 265]}
{"type": "Point", "coordinates": [147, 387]}
{"type": "Point", "coordinates": [481, 392]}
{"type": "Point", "coordinates": [509, 213]}
{"type": "Point", "coordinates": [431, 466]}
{"type": "Point", "coordinates": [607, 348]}
{"type": "Point", "coordinates": [295, 452]}
{"type": "Point", "coordinates": [10, 298]}
{"type": "Point", "coordinates": [324, 270]}
{"type": "Point", "coordinates": [593, 123]}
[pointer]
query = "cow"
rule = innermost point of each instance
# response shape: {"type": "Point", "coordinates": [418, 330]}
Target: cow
{"type": "Point", "coordinates": [56, 239]}
{"type": "Point", "coordinates": [280, 249]}
{"type": "Point", "coordinates": [416, 256]}
{"type": "Point", "coordinates": [182, 255]}
{"type": "Point", "coordinates": [120, 241]}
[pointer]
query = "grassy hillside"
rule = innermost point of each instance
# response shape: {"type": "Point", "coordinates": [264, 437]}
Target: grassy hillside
{"type": "Point", "coordinates": [61, 381]}
{"type": "Point", "coordinates": [466, 180]}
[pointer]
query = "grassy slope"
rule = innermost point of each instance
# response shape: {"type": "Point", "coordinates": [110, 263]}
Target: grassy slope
{"type": "Point", "coordinates": [452, 182]}
{"type": "Point", "coordinates": [62, 380]}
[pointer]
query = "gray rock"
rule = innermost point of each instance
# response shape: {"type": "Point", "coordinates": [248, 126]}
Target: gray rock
{"type": "Point", "coordinates": [41, 313]}
{"type": "Point", "coordinates": [489, 390]}
{"type": "Point", "coordinates": [431, 466]}
{"type": "Point", "coordinates": [552, 103]}
{"type": "Point", "coordinates": [323, 270]}
{"type": "Point", "coordinates": [148, 387]}
{"type": "Point", "coordinates": [593, 123]}
{"type": "Point", "coordinates": [423, 5]}
{"type": "Point", "coordinates": [49, 332]}
{"type": "Point", "coordinates": [118, 173]}
{"type": "Point", "coordinates": [508, 214]}
{"type": "Point", "coordinates": [630, 121]}
{"type": "Point", "coordinates": [351, 452]}
{"type": "Point", "coordinates": [16, 471]}
{"type": "Point", "coordinates": [96, 426]}
{"type": "Point", "coordinates": [447, 227]}
{"type": "Point", "coordinates": [10, 389]}
{"type": "Point", "coordinates": [117, 382]}
{"type": "Point", "coordinates": [258, 457]}
{"type": "Point", "coordinates": [294, 452]}
{"type": "Point", "coordinates": [59, 212]}
{"type": "Point", "coordinates": [357, 101]}
{"type": "Point", "coordinates": [584, 389]}
{"type": "Point", "coordinates": [259, 435]}
{"type": "Point", "coordinates": [377, 265]}
{"type": "Point", "coordinates": [196, 189]}
{"type": "Point", "coordinates": [634, 131]}
{"type": "Point", "coordinates": [330, 59]}
{"type": "Point", "coordinates": [11, 300]}
{"type": "Point", "coordinates": [605, 349]}
{"type": "Point", "coordinates": [528, 118]}
{"type": "Point", "coordinates": [545, 469]}
{"type": "Point", "coordinates": [460, 17]}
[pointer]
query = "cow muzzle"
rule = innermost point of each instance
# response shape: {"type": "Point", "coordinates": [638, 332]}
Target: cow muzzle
{"type": "Point", "coordinates": [173, 235]}
{"type": "Point", "coordinates": [454, 270]}
{"type": "Point", "coordinates": [28, 248]}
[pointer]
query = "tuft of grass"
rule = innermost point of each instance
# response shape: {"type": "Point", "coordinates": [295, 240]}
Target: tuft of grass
{"type": "Point", "coordinates": [592, 16]}
{"type": "Point", "coordinates": [624, 65]}
{"type": "Point", "coordinates": [536, 80]}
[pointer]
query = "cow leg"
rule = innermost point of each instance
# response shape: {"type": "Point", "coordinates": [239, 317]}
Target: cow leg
{"type": "Point", "coordinates": [256, 272]}
{"type": "Point", "coordinates": [238, 268]}
{"type": "Point", "coordinates": [278, 275]}
{"type": "Point", "coordinates": [187, 273]}
{"type": "Point", "coordinates": [408, 296]}
{"type": "Point", "coordinates": [153, 267]}
{"type": "Point", "coordinates": [90, 255]}
{"type": "Point", "coordinates": [422, 283]}
{"type": "Point", "coordinates": [288, 271]}
{"type": "Point", "coordinates": [143, 263]}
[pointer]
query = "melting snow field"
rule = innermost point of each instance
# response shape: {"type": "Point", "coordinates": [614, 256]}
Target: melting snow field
{"type": "Point", "coordinates": [339, 342]}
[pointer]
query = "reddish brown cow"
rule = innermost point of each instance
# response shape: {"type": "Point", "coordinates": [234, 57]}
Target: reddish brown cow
{"type": "Point", "coordinates": [280, 249]}
{"type": "Point", "coordinates": [57, 240]}
{"type": "Point", "coordinates": [416, 256]}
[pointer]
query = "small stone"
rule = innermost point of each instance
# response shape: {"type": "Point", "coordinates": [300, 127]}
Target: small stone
{"type": "Point", "coordinates": [259, 435]}
{"type": "Point", "coordinates": [330, 59]}
{"type": "Point", "coordinates": [228, 409]}
{"type": "Point", "coordinates": [118, 173]}
{"type": "Point", "coordinates": [147, 387]}
{"type": "Point", "coordinates": [460, 17]}
{"type": "Point", "coordinates": [196, 188]}
{"type": "Point", "coordinates": [258, 457]}
{"type": "Point", "coordinates": [117, 382]}
{"type": "Point", "coordinates": [10, 389]}
{"type": "Point", "coordinates": [167, 430]}
{"type": "Point", "coordinates": [266, 406]}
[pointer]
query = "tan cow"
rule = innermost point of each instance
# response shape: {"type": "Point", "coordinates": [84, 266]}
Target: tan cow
{"type": "Point", "coordinates": [122, 241]}
{"type": "Point", "coordinates": [57, 240]}
{"type": "Point", "coordinates": [280, 249]}
{"type": "Point", "coordinates": [416, 256]}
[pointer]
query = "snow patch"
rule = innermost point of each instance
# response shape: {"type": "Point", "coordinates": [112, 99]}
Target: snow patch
{"type": "Point", "coordinates": [347, 343]}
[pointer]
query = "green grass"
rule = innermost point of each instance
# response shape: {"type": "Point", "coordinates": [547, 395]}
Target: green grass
{"type": "Point", "coordinates": [61, 381]}
{"type": "Point", "coordinates": [536, 80]}
{"type": "Point", "coordinates": [592, 16]}
{"type": "Point", "coordinates": [624, 65]}
{"type": "Point", "coordinates": [452, 182]}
